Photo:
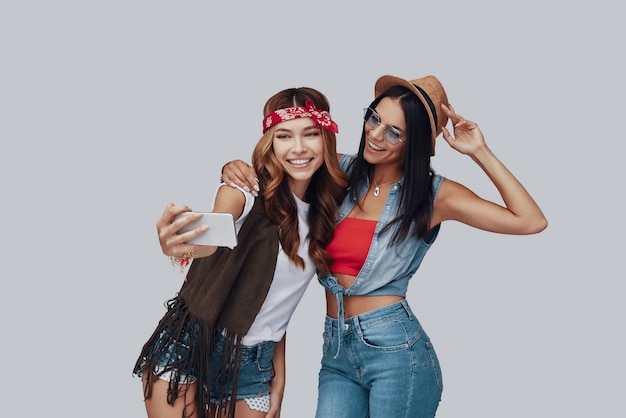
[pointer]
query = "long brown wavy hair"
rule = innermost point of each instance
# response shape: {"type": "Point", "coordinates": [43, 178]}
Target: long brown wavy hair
{"type": "Point", "coordinates": [324, 193]}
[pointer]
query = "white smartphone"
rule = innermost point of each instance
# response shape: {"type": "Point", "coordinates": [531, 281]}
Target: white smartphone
{"type": "Point", "coordinates": [221, 232]}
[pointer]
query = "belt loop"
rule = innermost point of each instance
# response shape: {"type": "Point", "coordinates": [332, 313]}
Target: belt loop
{"type": "Point", "coordinates": [357, 325]}
{"type": "Point", "coordinates": [329, 324]}
{"type": "Point", "coordinates": [406, 307]}
{"type": "Point", "coordinates": [259, 351]}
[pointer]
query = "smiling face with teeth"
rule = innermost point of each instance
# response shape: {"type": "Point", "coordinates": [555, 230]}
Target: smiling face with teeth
{"type": "Point", "coordinates": [299, 146]}
{"type": "Point", "coordinates": [377, 150]}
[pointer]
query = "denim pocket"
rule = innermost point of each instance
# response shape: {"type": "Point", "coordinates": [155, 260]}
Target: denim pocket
{"type": "Point", "coordinates": [256, 371]}
{"type": "Point", "coordinates": [386, 336]}
{"type": "Point", "coordinates": [264, 369]}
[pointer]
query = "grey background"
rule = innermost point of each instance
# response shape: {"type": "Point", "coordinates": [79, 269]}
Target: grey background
{"type": "Point", "coordinates": [110, 110]}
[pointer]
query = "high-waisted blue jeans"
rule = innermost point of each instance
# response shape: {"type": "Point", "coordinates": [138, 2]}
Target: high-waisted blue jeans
{"type": "Point", "coordinates": [386, 367]}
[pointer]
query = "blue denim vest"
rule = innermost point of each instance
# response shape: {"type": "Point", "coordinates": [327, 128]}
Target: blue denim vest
{"type": "Point", "coordinates": [387, 269]}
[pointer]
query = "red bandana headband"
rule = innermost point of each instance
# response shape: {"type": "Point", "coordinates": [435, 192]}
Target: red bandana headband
{"type": "Point", "coordinates": [321, 117]}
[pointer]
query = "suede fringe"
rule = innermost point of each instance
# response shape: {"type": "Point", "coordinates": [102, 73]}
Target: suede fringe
{"type": "Point", "coordinates": [198, 340]}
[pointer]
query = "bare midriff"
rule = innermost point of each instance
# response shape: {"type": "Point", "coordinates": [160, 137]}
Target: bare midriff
{"type": "Point", "coordinates": [356, 304]}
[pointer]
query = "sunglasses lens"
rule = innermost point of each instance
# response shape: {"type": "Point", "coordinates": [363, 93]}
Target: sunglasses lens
{"type": "Point", "coordinates": [392, 135]}
{"type": "Point", "coordinates": [371, 118]}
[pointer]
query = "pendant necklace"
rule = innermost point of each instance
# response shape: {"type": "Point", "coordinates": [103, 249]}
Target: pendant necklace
{"type": "Point", "coordinates": [378, 186]}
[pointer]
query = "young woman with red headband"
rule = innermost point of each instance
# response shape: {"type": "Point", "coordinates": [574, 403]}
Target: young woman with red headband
{"type": "Point", "coordinates": [378, 361]}
{"type": "Point", "coordinates": [219, 350]}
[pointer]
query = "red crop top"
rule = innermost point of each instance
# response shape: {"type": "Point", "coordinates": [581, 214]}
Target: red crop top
{"type": "Point", "coordinates": [350, 245]}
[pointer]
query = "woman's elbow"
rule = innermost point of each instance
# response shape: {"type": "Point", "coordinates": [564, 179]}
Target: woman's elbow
{"type": "Point", "coordinates": [537, 225]}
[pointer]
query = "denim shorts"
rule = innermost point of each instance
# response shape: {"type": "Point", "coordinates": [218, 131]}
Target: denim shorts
{"type": "Point", "coordinates": [173, 351]}
{"type": "Point", "coordinates": [386, 367]}
{"type": "Point", "coordinates": [256, 370]}
{"type": "Point", "coordinates": [255, 374]}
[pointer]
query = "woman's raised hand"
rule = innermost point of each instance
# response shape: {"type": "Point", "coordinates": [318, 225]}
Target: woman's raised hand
{"type": "Point", "coordinates": [467, 137]}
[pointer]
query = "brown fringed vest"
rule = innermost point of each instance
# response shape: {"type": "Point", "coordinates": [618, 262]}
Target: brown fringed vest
{"type": "Point", "coordinates": [222, 293]}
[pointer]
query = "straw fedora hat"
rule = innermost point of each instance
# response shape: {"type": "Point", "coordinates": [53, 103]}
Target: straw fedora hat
{"type": "Point", "coordinates": [430, 92]}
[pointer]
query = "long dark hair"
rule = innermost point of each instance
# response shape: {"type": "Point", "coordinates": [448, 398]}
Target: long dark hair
{"type": "Point", "coordinates": [324, 193]}
{"type": "Point", "coordinates": [416, 194]}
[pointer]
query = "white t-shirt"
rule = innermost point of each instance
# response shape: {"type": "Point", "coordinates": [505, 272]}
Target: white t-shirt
{"type": "Point", "coordinates": [289, 283]}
